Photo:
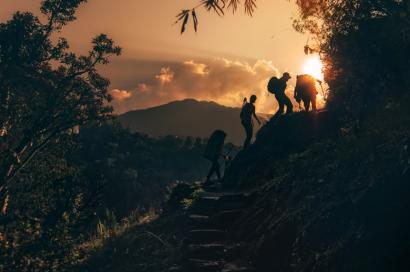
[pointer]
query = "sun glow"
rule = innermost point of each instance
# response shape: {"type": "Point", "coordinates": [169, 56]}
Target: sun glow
{"type": "Point", "coordinates": [313, 66]}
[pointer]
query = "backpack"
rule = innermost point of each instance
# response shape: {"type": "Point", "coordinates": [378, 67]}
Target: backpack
{"type": "Point", "coordinates": [305, 87]}
{"type": "Point", "coordinates": [215, 145]}
{"type": "Point", "coordinates": [246, 111]}
{"type": "Point", "coordinates": [273, 85]}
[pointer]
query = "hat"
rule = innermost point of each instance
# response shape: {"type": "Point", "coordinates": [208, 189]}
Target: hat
{"type": "Point", "coordinates": [286, 75]}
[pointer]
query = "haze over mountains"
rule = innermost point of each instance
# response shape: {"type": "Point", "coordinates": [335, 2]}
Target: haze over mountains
{"type": "Point", "coordinates": [186, 118]}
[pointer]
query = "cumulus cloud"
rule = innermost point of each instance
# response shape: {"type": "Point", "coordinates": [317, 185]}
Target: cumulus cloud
{"type": "Point", "coordinates": [120, 95]}
{"type": "Point", "coordinates": [221, 80]}
{"type": "Point", "coordinates": [166, 75]}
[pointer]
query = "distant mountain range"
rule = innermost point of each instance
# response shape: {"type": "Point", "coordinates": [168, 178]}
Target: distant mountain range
{"type": "Point", "coordinates": [187, 118]}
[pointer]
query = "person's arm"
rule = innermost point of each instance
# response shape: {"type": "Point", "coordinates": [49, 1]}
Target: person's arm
{"type": "Point", "coordinates": [256, 117]}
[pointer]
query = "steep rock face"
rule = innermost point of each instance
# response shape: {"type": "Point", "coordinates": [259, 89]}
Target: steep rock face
{"type": "Point", "coordinates": [329, 199]}
{"type": "Point", "coordinates": [276, 140]}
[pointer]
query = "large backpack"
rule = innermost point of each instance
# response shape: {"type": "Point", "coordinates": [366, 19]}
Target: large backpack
{"type": "Point", "coordinates": [273, 85]}
{"type": "Point", "coordinates": [305, 87]}
{"type": "Point", "coordinates": [215, 145]}
{"type": "Point", "coordinates": [246, 111]}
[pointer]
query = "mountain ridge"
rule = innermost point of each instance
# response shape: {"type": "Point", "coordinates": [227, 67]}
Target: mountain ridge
{"type": "Point", "coordinates": [185, 118]}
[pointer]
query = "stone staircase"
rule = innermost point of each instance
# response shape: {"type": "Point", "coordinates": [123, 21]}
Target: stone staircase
{"type": "Point", "coordinates": [208, 247]}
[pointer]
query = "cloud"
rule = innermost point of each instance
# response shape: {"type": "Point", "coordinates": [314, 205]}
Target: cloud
{"type": "Point", "coordinates": [143, 88]}
{"type": "Point", "coordinates": [166, 75]}
{"type": "Point", "coordinates": [120, 95]}
{"type": "Point", "coordinates": [221, 80]}
{"type": "Point", "coordinates": [197, 68]}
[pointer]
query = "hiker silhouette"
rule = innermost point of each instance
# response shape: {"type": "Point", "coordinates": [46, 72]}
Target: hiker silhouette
{"type": "Point", "coordinates": [247, 112]}
{"type": "Point", "coordinates": [213, 152]}
{"type": "Point", "coordinates": [305, 91]}
{"type": "Point", "coordinates": [277, 87]}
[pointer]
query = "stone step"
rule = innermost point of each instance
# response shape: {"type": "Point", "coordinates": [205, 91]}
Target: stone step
{"type": "Point", "coordinates": [199, 220]}
{"type": "Point", "coordinates": [214, 251]}
{"type": "Point", "coordinates": [205, 205]}
{"type": "Point", "coordinates": [225, 219]}
{"type": "Point", "coordinates": [213, 186]}
{"type": "Point", "coordinates": [233, 201]}
{"type": "Point", "coordinates": [205, 236]}
{"type": "Point", "coordinates": [199, 265]}
{"type": "Point", "coordinates": [176, 268]}
{"type": "Point", "coordinates": [231, 267]}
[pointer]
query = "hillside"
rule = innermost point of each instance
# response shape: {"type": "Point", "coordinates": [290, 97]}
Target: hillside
{"type": "Point", "coordinates": [324, 197]}
{"type": "Point", "coordinates": [329, 198]}
{"type": "Point", "coordinates": [186, 118]}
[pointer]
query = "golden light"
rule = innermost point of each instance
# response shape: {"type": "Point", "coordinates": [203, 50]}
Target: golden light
{"type": "Point", "coordinates": [313, 66]}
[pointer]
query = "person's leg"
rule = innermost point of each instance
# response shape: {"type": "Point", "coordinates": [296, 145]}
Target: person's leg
{"type": "Point", "coordinates": [314, 108]}
{"type": "Point", "coordinates": [218, 170]}
{"type": "Point", "coordinates": [249, 134]}
{"type": "Point", "coordinates": [306, 103]}
{"type": "Point", "coordinates": [279, 98]}
{"type": "Point", "coordinates": [211, 171]}
{"type": "Point", "coordinates": [288, 103]}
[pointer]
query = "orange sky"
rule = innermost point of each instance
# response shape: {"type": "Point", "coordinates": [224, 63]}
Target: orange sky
{"type": "Point", "coordinates": [230, 57]}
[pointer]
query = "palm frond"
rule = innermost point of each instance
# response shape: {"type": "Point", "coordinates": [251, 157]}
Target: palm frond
{"type": "Point", "coordinates": [233, 4]}
{"type": "Point", "coordinates": [183, 16]}
{"type": "Point", "coordinates": [195, 19]}
{"type": "Point", "coordinates": [217, 5]}
{"type": "Point", "coordinates": [250, 6]}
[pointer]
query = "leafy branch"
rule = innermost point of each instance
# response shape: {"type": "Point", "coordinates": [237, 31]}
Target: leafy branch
{"type": "Point", "coordinates": [217, 6]}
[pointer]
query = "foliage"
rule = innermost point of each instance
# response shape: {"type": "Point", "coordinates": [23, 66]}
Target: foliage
{"type": "Point", "coordinates": [90, 187]}
{"type": "Point", "coordinates": [48, 212]}
{"type": "Point", "coordinates": [146, 246]}
{"type": "Point", "coordinates": [182, 195]}
{"type": "Point", "coordinates": [337, 205]}
{"type": "Point", "coordinates": [217, 6]}
{"type": "Point", "coordinates": [45, 89]}
{"type": "Point", "coordinates": [131, 171]}
{"type": "Point", "coordinates": [365, 47]}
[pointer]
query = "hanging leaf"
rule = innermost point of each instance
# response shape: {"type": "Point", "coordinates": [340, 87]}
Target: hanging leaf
{"type": "Point", "coordinates": [217, 5]}
{"type": "Point", "coordinates": [250, 6]}
{"type": "Point", "coordinates": [184, 23]}
{"type": "Point", "coordinates": [233, 4]}
{"type": "Point", "coordinates": [183, 16]}
{"type": "Point", "coordinates": [306, 49]}
{"type": "Point", "coordinates": [195, 19]}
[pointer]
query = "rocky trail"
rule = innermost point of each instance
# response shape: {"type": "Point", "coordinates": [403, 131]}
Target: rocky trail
{"type": "Point", "coordinates": [208, 246]}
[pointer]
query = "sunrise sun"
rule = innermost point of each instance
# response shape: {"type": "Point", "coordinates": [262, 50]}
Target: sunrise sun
{"type": "Point", "coordinates": [313, 66]}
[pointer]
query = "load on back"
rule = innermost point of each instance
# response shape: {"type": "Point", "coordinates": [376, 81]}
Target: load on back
{"type": "Point", "coordinates": [215, 145]}
{"type": "Point", "coordinates": [305, 91]}
{"type": "Point", "coordinates": [273, 85]}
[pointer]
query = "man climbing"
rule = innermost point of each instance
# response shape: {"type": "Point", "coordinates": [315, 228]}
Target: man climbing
{"type": "Point", "coordinates": [247, 112]}
{"type": "Point", "coordinates": [278, 87]}
{"type": "Point", "coordinates": [213, 152]}
{"type": "Point", "coordinates": [305, 91]}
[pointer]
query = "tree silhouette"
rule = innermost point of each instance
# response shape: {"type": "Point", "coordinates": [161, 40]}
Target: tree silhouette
{"type": "Point", "coordinates": [46, 90]}
{"type": "Point", "coordinates": [363, 48]}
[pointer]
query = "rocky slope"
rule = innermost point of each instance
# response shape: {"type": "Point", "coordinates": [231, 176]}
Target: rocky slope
{"type": "Point", "coordinates": [330, 198]}
{"type": "Point", "coordinates": [325, 195]}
